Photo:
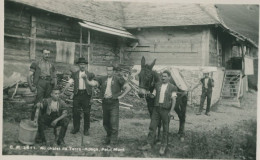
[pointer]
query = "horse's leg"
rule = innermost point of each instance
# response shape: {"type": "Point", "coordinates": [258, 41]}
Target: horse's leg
{"type": "Point", "coordinates": [182, 116]}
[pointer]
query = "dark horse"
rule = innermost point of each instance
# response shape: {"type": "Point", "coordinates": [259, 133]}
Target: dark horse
{"type": "Point", "coordinates": [147, 80]}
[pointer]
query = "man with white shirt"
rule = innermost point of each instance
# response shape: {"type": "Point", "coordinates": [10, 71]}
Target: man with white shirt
{"type": "Point", "coordinates": [165, 99]}
{"type": "Point", "coordinates": [111, 87]}
{"type": "Point", "coordinates": [207, 85]}
{"type": "Point", "coordinates": [82, 96]}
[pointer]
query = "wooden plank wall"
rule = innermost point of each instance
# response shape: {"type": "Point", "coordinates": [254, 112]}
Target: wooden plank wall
{"type": "Point", "coordinates": [169, 45]}
{"type": "Point", "coordinates": [17, 22]}
{"type": "Point", "coordinates": [104, 48]}
{"type": "Point", "coordinates": [215, 56]}
{"type": "Point", "coordinates": [50, 28]}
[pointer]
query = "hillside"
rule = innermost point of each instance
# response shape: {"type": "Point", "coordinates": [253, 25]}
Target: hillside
{"type": "Point", "coordinates": [241, 18]}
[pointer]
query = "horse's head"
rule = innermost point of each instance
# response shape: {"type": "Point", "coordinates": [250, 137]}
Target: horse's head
{"type": "Point", "coordinates": [146, 77]}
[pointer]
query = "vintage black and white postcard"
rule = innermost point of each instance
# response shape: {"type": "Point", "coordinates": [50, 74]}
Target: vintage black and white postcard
{"type": "Point", "coordinates": [130, 79]}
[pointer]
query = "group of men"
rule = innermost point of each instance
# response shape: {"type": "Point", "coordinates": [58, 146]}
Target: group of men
{"type": "Point", "coordinates": [54, 112]}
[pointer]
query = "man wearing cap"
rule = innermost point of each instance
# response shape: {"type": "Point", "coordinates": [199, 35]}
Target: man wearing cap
{"type": "Point", "coordinates": [207, 85]}
{"type": "Point", "coordinates": [111, 87]}
{"type": "Point", "coordinates": [42, 77]}
{"type": "Point", "coordinates": [82, 96]}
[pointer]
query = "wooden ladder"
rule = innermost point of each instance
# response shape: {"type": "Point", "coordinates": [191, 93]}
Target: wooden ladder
{"type": "Point", "coordinates": [231, 87]}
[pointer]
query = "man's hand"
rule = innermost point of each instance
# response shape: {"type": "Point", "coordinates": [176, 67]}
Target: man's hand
{"type": "Point", "coordinates": [151, 95]}
{"type": "Point", "coordinates": [84, 76]}
{"type": "Point", "coordinates": [38, 105]}
{"type": "Point", "coordinates": [33, 88]}
{"type": "Point", "coordinates": [53, 123]}
{"type": "Point", "coordinates": [171, 115]}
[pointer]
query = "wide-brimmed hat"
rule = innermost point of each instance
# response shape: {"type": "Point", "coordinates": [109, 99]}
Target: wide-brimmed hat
{"type": "Point", "coordinates": [82, 60]}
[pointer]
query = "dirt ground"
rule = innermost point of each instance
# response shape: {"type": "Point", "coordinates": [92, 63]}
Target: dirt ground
{"type": "Point", "coordinates": [133, 130]}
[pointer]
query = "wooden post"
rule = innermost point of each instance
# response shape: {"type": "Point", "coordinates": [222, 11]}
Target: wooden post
{"type": "Point", "coordinates": [89, 49]}
{"type": "Point", "coordinates": [205, 47]}
{"type": "Point", "coordinates": [33, 36]}
{"type": "Point", "coordinates": [218, 60]}
{"type": "Point", "coordinates": [120, 46]}
{"type": "Point", "coordinates": [80, 41]}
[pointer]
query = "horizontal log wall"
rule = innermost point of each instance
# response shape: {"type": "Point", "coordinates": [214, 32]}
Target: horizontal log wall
{"type": "Point", "coordinates": [17, 22]}
{"type": "Point", "coordinates": [169, 45]}
{"type": "Point", "coordinates": [213, 53]}
{"type": "Point", "coordinates": [104, 48]}
{"type": "Point", "coordinates": [50, 29]}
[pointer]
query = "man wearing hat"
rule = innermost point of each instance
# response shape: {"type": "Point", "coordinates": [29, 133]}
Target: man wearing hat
{"type": "Point", "coordinates": [42, 77]}
{"type": "Point", "coordinates": [111, 87]}
{"type": "Point", "coordinates": [207, 85]}
{"type": "Point", "coordinates": [82, 96]}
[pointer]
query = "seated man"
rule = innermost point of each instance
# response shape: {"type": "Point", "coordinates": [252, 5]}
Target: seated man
{"type": "Point", "coordinates": [54, 114]}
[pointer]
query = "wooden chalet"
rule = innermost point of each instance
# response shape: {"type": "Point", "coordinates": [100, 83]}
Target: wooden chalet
{"type": "Point", "coordinates": [184, 35]}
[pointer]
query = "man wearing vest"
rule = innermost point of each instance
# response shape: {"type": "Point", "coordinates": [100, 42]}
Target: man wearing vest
{"type": "Point", "coordinates": [42, 77]}
{"type": "Point", "coordinates": [165, 98]}
{"type": "Point", "coordinates": [82, 96]}
{"type": "Point", "coordinates": [207, 85]}
{"type": "Point", "coordinates": [111, 87]}
{"type": "Point", "coordinates": [54, 114]}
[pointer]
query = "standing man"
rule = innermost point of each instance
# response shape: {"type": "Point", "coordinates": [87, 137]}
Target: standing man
{"type": "Point", "coordinates": [42, 77]}
{"type": "Point", "coordinates": [82, 96]}
{"type": "Point", "coordinates": [207, 85]}
{"type": "Point", "coordinates": [165, 98]}
{"type": "Point", "coordinates": [111, 87]}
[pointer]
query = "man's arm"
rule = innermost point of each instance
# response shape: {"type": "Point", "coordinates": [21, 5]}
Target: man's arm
{"type": "Point", "coordinates": [29, 80]}
{"type": "Point", "coordinates": [126, 89]}
{"type": "Point", "coordinates": [54, 75]}
{"type": "Point", "coordinates": [63, 115]}
{"type": "Point", "coordinates": [196, 86]}
{"type": "Point", "coordinates": [212, 82]}
{"type": "Point", "coordinates": [173, 98]}
{"type": "Point", "coordinates": [92, 82]}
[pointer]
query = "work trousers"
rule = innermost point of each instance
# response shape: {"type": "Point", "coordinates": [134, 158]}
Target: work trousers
{"type": "Point", "coordinates": [111, 118]}
{"type": "Point", "coordinates": [44, 89]}
{"type": "Point", "coordinates": [205, 94]}
{"type": "Point", "coordinates": [47, 119]}
{"type": "Point", "coordinates": [81, 103]}
{"type": "Point", "coordinates": [159, 114]}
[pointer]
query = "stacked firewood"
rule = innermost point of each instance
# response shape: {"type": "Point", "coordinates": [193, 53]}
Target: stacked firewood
{"type": "Point", "coordinates": [62, 81]}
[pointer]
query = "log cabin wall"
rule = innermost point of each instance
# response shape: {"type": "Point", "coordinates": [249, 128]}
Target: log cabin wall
{"type": "Point", "coordinates": [170, 45]}
{"type": "Point", "coordinates": [215, 49]}
{"type": "Point", "coordinates": [29, 30]}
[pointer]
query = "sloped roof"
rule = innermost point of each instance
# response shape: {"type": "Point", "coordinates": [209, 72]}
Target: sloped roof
{"type": "Point", "coordinates": [121, 15]}
{"type": "Point", "coordinates": [104, 13]}
{"type": "Point", "coordinates": [141, 15]}
{"type": "Point", "coordinates": [167, 14]}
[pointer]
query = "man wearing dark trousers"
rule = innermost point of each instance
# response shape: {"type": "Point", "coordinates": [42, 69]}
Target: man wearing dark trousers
{"type": "Point", "coordinates": [111, 87]}
{"type": "Point", "coordinates": [42, 77]}
{"type": "Point", "coordinates": [207, 85]}
{"type": "Point", "coordinates": [54, 113]}
{"type": "Point", "coordinates": [165, 98]}
{"type": "Point", "coordinates": [82, 96]}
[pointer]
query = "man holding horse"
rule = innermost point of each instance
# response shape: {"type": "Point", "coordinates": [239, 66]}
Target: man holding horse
{"type": "Point", "coordinates": [111, 87]}
{"type": "Point", "coordinates": [165, 98]}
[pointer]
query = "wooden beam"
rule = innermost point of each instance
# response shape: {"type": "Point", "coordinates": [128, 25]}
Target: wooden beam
{"type": "Point", "coordinates": [33, 36]}
{"type": "Point", "coordinates": [40, 39]}
{"type": "Point", "coordinates": [80, 41]}
{"type": "Point", "coordinates": [89, 49]}
{"type": "Point", "coordinates": [205, 47]}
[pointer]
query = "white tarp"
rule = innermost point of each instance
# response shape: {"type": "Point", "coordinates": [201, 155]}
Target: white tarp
{"type": "Point", "coordinates": [249, 66]}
